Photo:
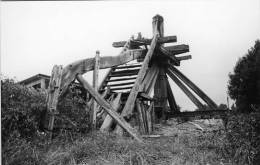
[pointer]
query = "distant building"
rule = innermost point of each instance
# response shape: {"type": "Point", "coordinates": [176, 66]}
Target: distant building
{"type": "Point", "coordinates": [37, 81]}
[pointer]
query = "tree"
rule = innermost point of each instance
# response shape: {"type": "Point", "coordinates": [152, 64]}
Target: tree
{"type": "Point", "coordinates": [243, 83]}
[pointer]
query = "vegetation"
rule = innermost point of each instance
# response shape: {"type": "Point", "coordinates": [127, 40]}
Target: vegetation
{"type": "Point", "coordinates": [243, 84]}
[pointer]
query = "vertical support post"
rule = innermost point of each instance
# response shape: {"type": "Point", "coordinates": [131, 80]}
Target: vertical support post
{"type": "Point", "coordinates": [53, 94]}
{"type": "Point", "coordinates": [160, 89]}
{"type": "Point", "coordinates": [95, 86]}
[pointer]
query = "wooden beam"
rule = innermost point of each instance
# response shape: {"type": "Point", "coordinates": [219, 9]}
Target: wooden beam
{"type": "Point", "coordinates": [183, 58]}
{"type": "Point", "coordinates": [196, 89]}
{"type": "Point", "coordinates": [109, 109]}
{"type": "Point", "coordinates": [140, 42]}
{"type": "Point", "coordinates": [120, 88]}
{"type": "Point", "coordinates": [53, 94]}
{"type": "Point", "coordinates": [122, 79]}
{"type": "Point", "coordinates": [105, 79]}
{"type": "Point", "coordinates": [128, 66]}
{"type": "Point", "coordinates": [121, 84]}
{"type": "Point", "coordinates": [140, 116]}
{"type": "Point", "coordinates": [149, 118]}
{"type": "Point", "coordinates": [185, 89]}
{"type": "Point", "coordinates": [171, 99]}
{"type": "Point", "coordinates": [105, 127]}
{"type": "Point", "coordinates": [177, 49]}
{"type": "Point", "coordinates": [80, 67]}
{"type": "Point", "coordinates": [95, 86]}
{"type": "Point", "coordinates": [138, 83]}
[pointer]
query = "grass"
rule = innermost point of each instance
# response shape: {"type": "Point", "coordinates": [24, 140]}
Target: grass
{"type": "Point", "coordinates": [99, 148]}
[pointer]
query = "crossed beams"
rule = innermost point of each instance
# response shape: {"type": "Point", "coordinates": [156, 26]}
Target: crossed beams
{"type": "Point", "coordinates": [145, 81]}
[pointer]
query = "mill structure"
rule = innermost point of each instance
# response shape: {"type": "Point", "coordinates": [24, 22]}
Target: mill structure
{"type": "Point", "coordinates": [135, 93]}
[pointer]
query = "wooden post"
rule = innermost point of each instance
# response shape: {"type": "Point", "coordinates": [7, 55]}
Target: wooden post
{"type": "Point", "coordinates": [140, 116]}
{"type": "Point", "coordinates": [53, 94]}
{"type": "Point", "coordinates": [109, 109]}
{"type": "Point", "coordinates": [149, 118]}
{"type": "Point", "coordinates": [185, 90]}
{"type": "Point", "coordinates": [160, 89]}
{"type": "Point", "coordinates": [171, 98]}
{"type": "Point", "coordinates": [109, 120]}
{"type": "Point", "coordinates": [95, 86]}
{"type": "Point", "coordinates": [196, 89]}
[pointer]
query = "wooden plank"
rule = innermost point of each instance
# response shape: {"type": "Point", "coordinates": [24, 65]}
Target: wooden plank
{"type": "Point", "coordinates": [128, 66]}
{"type": "Point", "coordinates": [122, 79]}
{"type": "Point", "coordinates": [124, 74]}
{"type": "Point", "coordinates": [177, 49]}
{"type": "Point", "coordinates": [185, 89]}
{"type": "Point", "coordinates": [195, 88]}
{"type": "Point", "coordinates": [109, 109]}
{"type": "Point", "coordinates": [183, 58]}
{"type": "Point", "coordinates": [121, 84]}
{"type": "Point", "coordinates": [140, 116]}
{"type": "Point", "coordinates": [82, 66]}
{"type": "Point", "coordinates": [140, 42]}
{"type": "Point", "coordinates": [105, 127]}
{"type": "Point", "coordinates": [149, 118]}
{"type": "Point", "coordinates": [95, 86]}
{"type": "Point", "coordinates": [171, 99]}
{"type": "Point", "coordinates": [53, 94]}
{"type": "Point", "coordinates": [105, 79]}
{"type": "Point", "coordinates": [121, 88]}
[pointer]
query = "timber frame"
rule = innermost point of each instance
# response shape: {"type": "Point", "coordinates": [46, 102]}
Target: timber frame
{"type": "Point", "coordinates": [138, 93]}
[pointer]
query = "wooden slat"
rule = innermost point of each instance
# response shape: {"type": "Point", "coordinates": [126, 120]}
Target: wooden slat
{"type": "Point", "coordinates": [123, 75]}
{"type": "Point", "coordinates": [105, 79]}
{"type": "Point", "coordinates": [196, 89]}
{"type": "Point", "coordinates": [123, 72]}
{"type": "Point", "coordinates": [183, 58]}
{"type": "Point", "coordinates": [185, 90]}
{"type": "Point", "coordinates": [105, 127]}
{"type": "Point", "coordinates": [121, 88]}
{"type": "Point", "coordinates": [140, 42]}
{"type": "Point", "coordinates": [171, 99]}
{"type": "Point", "coordinates": [177, 49]}
{"type": "Point", "coordinates": [122, 79]}
{"type": "Point", "coordinates": [109, 109]}
{"type": "Point", "coordinates": [121, 84]}
{"type": "Point", "coordinates": [128, 66]}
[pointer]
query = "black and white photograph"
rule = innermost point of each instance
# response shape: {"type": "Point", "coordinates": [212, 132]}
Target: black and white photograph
{"type": "Point", "coordinates": [148, 82]}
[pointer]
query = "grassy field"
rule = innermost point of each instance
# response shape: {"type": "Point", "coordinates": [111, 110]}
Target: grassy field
{"type": "Point", "coordinates": [178, 144]}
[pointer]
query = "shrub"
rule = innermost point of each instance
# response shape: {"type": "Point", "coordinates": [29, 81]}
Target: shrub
{"type": "Point", "coordinates": [243, 135]}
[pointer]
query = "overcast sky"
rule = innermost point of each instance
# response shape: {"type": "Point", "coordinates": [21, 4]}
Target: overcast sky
{"type": "Point", "coordinates": [37, 35]}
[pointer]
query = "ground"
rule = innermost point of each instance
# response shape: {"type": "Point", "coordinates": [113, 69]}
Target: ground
{"type": "Point", "coordinates": [197, 142]}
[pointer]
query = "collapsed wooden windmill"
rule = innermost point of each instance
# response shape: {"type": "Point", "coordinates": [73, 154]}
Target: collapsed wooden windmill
{"type": "Point", "coordinates": [136, 91]}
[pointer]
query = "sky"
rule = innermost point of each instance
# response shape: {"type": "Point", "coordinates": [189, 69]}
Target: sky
{"type": "Point", "coordinates": [37, 35]}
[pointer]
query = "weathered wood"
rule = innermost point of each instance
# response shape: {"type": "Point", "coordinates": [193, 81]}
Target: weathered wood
{"type": "Point", "coordinates": [128, 66]}
{"type": "Point", "coordinates": [149, 79]}
{"type": "Point", "coordinates": [185, 89]}
{"type": "Point", "coordinates": [53, 94]}
{"type": "Point", "coordinates": [177, 49]}
{"type": "Point", "coordinates": [124, 72]}
{"type": "Point", "coordinates": [171, 99]}
{"type": "Point", "coordinates": [121, 88]}
{"type": "Point", "coordinates": [183, 58]}
{"type": "Point", "coordinates": [121, 84]}
{"type": "Point", "coordinates": [140, 42]}
{"type": "Point", "coordinates": [140, 116]}
{"type": "Point", "coordinates": [196, 89]}
{"type": "Point", "coordinates": [144, 96]}
{"type": "Point", "coordinates": [149, 118]}
{"type": "Point", "coordinates": [105, 127]}
{"type": "Point", "coordinates": [80, 67]}
{"type": "Point", "coordinates": [169, 55]}
{"type": "Point", "coordinates": [122, 79]}
{"type": "Point", "coordinates": [95, 86]}
{"type": "Point", "coordinates": [109, 109]}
